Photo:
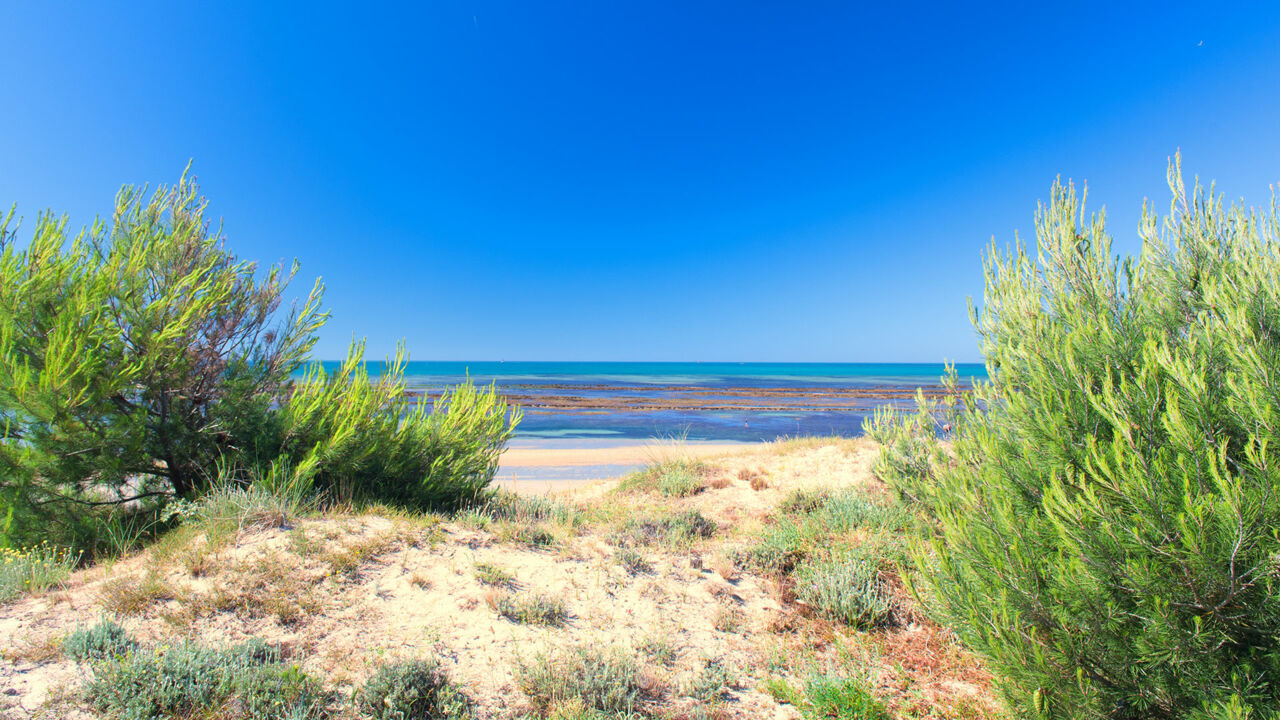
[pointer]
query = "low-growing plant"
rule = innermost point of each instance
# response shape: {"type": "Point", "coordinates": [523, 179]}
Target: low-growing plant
{"type": "Point", "coordinates": [189, 680]}
{"type": "Point", "coordinates": [729, 618]}
{"type": "Point", "coordinates": [493, 575]}
{"type": "Point", "coordinates": [778, 549]}
{"type": "Point", "coordinates": [804, 500]}
{"type": "Point", "coordinates": [412, 690]}
{"type": "Point", "coordinates": [710, 682]}
{"type": "Point", "coordinates": [534, 534]}
{"type": "Point", "coordinates": [530, 608]}
{"type": "Point", "coordinates": [133, 594]}
{"type": "Point", "coordinates": [506, 505]}
{"type": "Point", "coordinates": [824, 697]}
{"type": "Point", "coordinates": [679, 528]}
{"type": "Point", "coordinates": [678, 477]}
{"type": "Point", "coordinates": [658, 647]}
{"type": "Point", "coordinates": [34, 569]}
{"type": "Point", "coordinates": [103, 640]}
{"type": "Point", "coordinates": [602, 678]}
{"type": "Point", "coordinates": [844, 587]}
{"type": "Point", "coordinates": [633, 562]}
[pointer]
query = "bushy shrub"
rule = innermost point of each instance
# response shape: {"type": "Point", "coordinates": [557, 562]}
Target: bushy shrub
{"type": "Point", "coordinates": [140, 361]}
{"type": "Point", "coordinates": [845, 587]}
{"type": "Point", "coordinates": [412, 690]}
{"type": "Point", "coordinates": [104, 640]}
{"type": "Point", "coordinates": [193, 681]}
{"type": "Point", "coordinates": [593, 677]}
{"type": "Point", "coordinates": [1106, 517]}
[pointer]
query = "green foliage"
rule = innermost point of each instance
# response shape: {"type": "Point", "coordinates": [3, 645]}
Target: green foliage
{"type": "Point", "coordinates": [816, 520]}
{"type": "Point", "coordinates": [590, 677]}
{"type": "Point", "coordinates": [779, 548]}
{"type": "Point", "coordinates": [830, 698]}
{"type": "Point", "coordinates": [531, 609]}
{"type": "Point", "coordinates": [352, 437]}
{"type": "Point", "coordinates": [844, 587]}
{"type": "Point", "coordinates": [493, 575]}
{"type": "Point", "coordinates": [192, 681]}
{"type": "Point", "coordinates": [33, 569]}
{"type": "Point", "coordinates": [412, 690]}
{"type": "Point", "coordinates": [104, 640]}
{"type": "Point", "coordinates": [142, 362]}
{"type": "Point", "coordinates": [118, 345]}
{"type": "Point", "coordinates": [678, 477]}
{"type": "Point", "coordinates": [1106, 517]}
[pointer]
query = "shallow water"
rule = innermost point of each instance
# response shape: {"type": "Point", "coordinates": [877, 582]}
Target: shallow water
{"type": "Point", "coordinates": [744, 402]}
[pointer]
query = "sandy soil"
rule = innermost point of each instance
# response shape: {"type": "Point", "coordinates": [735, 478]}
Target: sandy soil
{"type": "Point", "coordinates": [620, 455]}
{"type": "Point", "coordinates": [412, 591]}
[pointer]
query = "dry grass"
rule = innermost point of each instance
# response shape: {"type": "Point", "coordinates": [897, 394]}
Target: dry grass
{"type": "Point", "coordinates": [134, 595]}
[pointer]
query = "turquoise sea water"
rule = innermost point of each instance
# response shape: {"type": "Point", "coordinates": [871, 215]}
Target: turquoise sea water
{"type": "Point", "coordinates": [651, 383]}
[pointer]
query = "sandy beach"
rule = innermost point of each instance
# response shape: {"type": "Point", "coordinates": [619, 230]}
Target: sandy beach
{"type": "Point", "coordinates": [543, 467]}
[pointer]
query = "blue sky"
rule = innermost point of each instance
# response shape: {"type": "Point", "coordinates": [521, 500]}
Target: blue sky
{"type": "Point", "coordinates": [646, 181]}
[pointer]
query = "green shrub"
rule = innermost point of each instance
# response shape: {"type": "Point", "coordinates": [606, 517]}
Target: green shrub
{"type": "Point", "coordinates": [845, 588]}
{"type": "Point", "coordinates": [531, 609]}
{"type": "Point", "coordinates": [778, 549]}
{"type": "Point", "coordinates": [830, 698]}
{"type": "Point", "coordinates": [104, 640]}
{"type": "Point", "coordinates": [33, 569]}
{"type": "Point", "coordinates": [142, 355]}
{"type": "Point", "coordinates": [594, 677]}
{"type": "Point", "coordinates": [192, 681]}
{"type": "Point", "coordinates": [412, 690]}
{"type": "Point", "coordinates": [1106, 517]}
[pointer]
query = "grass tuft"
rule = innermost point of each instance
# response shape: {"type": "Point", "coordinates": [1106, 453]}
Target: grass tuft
{"type": "Point", "coordinates": [677, 477]}
{"type": "Point", "coordinates": [821, 697]}
{"type": "Point", "coordinates": [591, 677]}
{"type": "Point", "coordinates": [529, 608]}
{"type": "Point", "coordinates": [493, 575]}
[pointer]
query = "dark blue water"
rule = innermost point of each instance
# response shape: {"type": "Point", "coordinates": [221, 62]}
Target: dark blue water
{"type": "Point", "coordinates": [708, 386]}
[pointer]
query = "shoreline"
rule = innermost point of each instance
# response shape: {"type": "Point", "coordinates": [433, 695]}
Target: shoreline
{"type": "Point", "coordinates": [548, 468]}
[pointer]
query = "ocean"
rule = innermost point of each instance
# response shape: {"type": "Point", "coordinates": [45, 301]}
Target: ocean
{"type": "Point", "coordinates": [575, 402]}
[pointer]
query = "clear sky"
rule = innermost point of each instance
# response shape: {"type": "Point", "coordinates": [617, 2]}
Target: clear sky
{"type": "Point", "coordinates": [637, 181]}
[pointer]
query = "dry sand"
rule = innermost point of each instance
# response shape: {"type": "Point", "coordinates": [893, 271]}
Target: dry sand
{"type": "Point", "coordinates": [414, 592]}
